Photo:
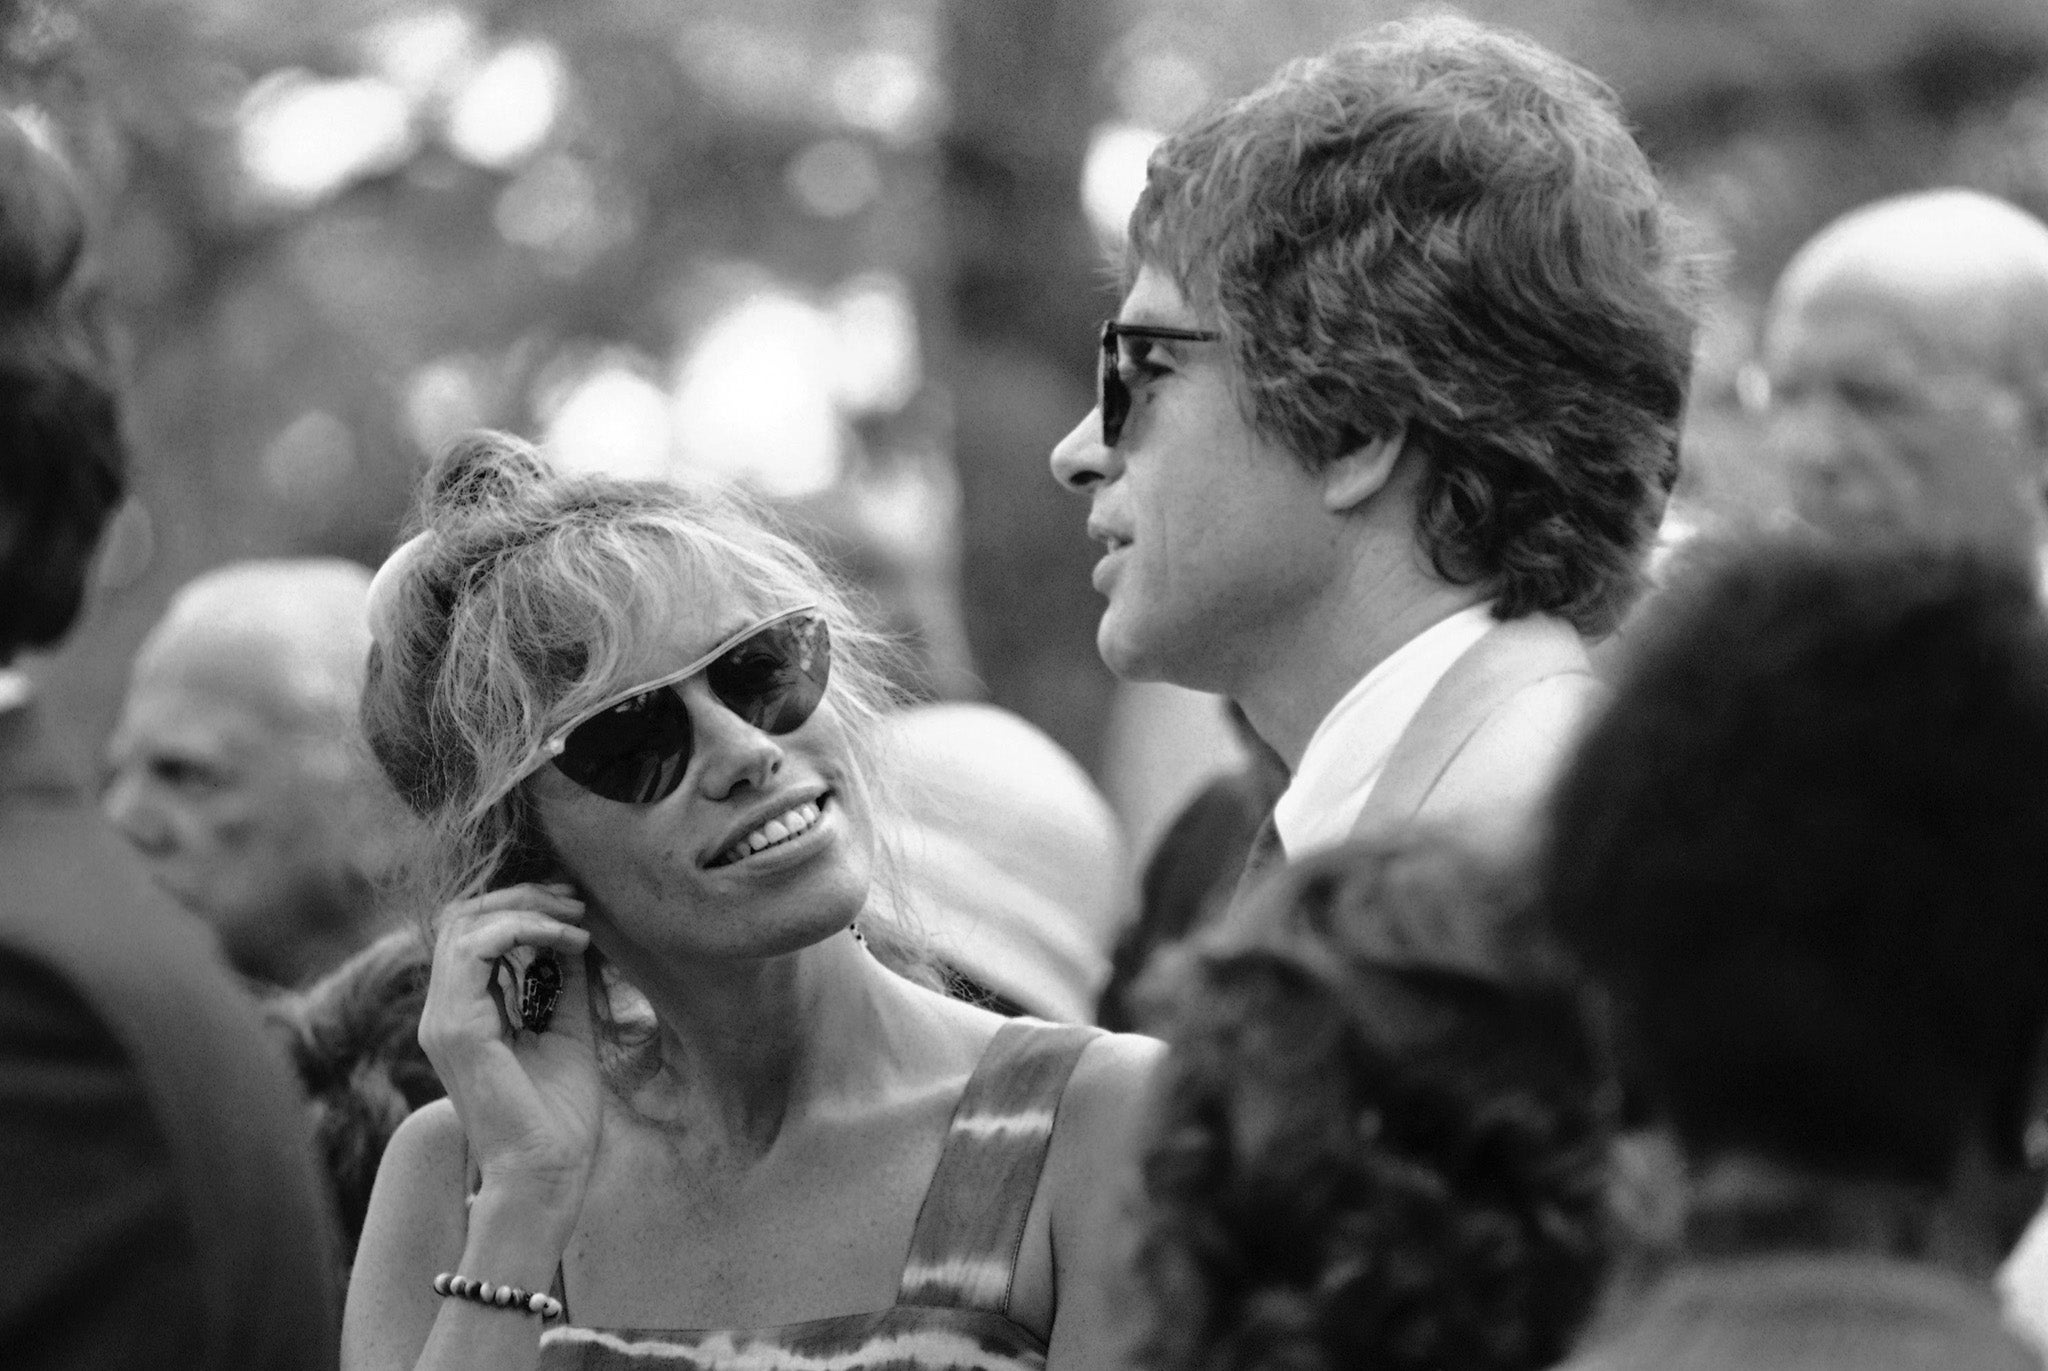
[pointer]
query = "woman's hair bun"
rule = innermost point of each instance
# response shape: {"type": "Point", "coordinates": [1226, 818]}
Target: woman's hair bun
{"type": "Point", "coordinates": [42, 221]}
{"type": "Point", "coordinates": [478, 471]}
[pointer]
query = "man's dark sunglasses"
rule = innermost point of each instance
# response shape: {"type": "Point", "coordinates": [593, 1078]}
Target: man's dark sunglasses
{"type": "Point", "coordinates": [635, 747]}
{"type": "Point", "coordinates": [1112, 396]}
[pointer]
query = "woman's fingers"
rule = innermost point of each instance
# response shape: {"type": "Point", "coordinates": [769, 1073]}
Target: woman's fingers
{"type": "Point", "coordinates": [556, 898]}
{"type": "Point", "coordinates": [494, 935]}
{"type": "Point", "coordinates": [462, 963]}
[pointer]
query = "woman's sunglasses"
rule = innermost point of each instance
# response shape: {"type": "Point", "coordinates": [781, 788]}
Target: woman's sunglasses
{"type": "Point", "coordinates": [635, 747]}
{"type": "Point", "coordinates": [1112, 396]}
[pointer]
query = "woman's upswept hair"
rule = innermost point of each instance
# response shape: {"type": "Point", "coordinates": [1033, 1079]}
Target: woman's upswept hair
{"type": "Point", "coordinates": [1381, 1136]}
{"type": "Point", "coordinates": [515, 608]}
{"type": "Point", "coordinates": [1447, 227]}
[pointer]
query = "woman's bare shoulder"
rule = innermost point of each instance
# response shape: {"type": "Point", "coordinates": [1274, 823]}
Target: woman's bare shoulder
{"type": "Point", "coordinates": [1111, 1078]}
{"type": "Point", "coordinates": [1103, 1108]}
{"type": "Point", "coordinates": [429, 1142]}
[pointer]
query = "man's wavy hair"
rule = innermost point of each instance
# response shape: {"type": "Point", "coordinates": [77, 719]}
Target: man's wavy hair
{"type": "Point", "coordinates": [1446, 227]}
{"type": "Point", "coordinates": [516, 610]}
{"type": "Point", "coordinates": [1382, 1131]}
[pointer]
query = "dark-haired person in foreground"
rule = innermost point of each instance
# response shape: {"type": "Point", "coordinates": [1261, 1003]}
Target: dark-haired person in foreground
{"type": "Point", "coordinates": [161, 1207]}
{"type": "Point", "coordinates": [1381, 1133]}
{"type": "Point", "coordinates": [1387, 419]}
{"type": "Point", "coordinates": [1804, 852]}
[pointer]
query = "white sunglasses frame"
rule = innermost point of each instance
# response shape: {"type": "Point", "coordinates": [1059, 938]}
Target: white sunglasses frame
{"type": "Point", "coordinates": [557, 742]}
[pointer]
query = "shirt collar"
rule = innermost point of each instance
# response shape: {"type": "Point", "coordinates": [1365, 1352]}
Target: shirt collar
{"type": "Point", "coordinates": [1349, 749]}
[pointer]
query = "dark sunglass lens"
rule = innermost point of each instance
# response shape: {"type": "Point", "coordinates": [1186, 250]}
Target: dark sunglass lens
{"type": "Point", "coordinates": [775, 679]}
{"type": "Point", "coordinates": [634, 752]}
{"type": "Point", "coordinates": [1112, 397]}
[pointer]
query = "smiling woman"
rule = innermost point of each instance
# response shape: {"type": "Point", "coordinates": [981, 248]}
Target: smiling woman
{"type": "Point", "coordinates": [635, 716]}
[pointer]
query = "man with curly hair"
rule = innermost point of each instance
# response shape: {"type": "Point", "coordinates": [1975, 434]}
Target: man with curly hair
{"type": "Point", "coordinates": [1803, 851]}
{"type": "Point", "coordinates": [1388, 416]}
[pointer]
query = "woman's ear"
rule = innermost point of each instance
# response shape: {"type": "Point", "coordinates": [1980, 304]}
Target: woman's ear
{"type": "Point", "coordinates": [1362, 471]}
{"type": "Point", "coordinates": [532, 861]}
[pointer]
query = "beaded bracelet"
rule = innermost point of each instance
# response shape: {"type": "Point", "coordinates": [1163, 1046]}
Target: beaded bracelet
{"type": "Point", "coordinates": [498, 1296]}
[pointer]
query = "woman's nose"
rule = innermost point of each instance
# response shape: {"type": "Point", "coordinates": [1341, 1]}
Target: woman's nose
{"type": "Point", "coordinates": [735, 753]}
{"type": "Point", "coordinates": [1080, 462]}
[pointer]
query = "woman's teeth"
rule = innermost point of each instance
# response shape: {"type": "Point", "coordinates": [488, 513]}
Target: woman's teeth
{"type": "Point", "coordinates": [777, 830]}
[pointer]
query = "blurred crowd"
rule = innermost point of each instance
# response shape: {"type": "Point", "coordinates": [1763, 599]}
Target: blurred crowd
{"type": "Point", "coordinates": [1622, 944]}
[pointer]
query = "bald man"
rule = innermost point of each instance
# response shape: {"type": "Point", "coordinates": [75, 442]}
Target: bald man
{"type": "Point", "coordinates": [1906, 349]}
{"type": "Point", "coordinates": [234, 770]}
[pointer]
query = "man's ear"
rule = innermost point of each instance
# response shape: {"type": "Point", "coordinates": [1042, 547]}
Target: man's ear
{"type": "Point", "coordinates": [1362, 471]}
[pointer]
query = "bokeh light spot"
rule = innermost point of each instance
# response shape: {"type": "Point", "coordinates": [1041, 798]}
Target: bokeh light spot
{"type": "Point", "coordinates": [614, 421]}
{"type": "Point", "coordinates": [1113, 176]}
{"type": "Point", "coordinates": [878, 363]}
{"type": "Point", "coordinates": [755, 400]}
{"type": "Point", "coordinates": [506, 110]}
{"type": "Point", "coordinates": [442, 399]}
{"type": "Point", "coordinates": [884, 92]}
{"type": "Point", "coordinates": [302, 139]}
{"type": "Point", "coordinates": [312, 462]}
{"type": "Point", "coordinates": [422, 51]}
{"type": "Point", "coordinates": [834, 178]}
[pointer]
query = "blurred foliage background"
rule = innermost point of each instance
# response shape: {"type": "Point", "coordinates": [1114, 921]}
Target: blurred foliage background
{"type": "Point", "coordinates": [850, 251]}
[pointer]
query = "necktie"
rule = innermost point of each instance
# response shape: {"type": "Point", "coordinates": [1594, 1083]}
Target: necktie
{"type": "Point", "coordinates": [1265, 857]}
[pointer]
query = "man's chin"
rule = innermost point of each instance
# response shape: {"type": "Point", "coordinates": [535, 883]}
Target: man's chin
{"type": "Point", "coordinates": [1135, 657]}
{"type": "Point", "coordinates": [1120, 653]}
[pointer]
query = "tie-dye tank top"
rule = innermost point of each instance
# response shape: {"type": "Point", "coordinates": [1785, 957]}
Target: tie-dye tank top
{"type": "Point", "coordinates": [952, 1307]}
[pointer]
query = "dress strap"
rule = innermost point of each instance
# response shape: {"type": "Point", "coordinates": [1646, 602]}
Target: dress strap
{"type": "Point", "coordinates": [963, 1253]}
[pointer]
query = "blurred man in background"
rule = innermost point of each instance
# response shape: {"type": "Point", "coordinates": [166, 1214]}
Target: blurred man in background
{"type": "Point", "coordinates": [1387, 420]}
{"type": "Point", "coordinates": [161, 1205]}
{"type": "Point", "coordinates": [1006, 855]}
{"type": "Point", "coordinates": [235, 772]}
{"type": "Point", "coordinates": [1802, 850]}
{"type": "Point", "coordinates": [1906, 371]}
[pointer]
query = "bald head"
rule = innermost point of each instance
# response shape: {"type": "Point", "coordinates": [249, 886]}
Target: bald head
{"type": "Point", "coordinates": [1907, 347]}
{"type": "Point", "coordinates": [286, 638]}
{"type": "Point", "coordinates": [235, 772]}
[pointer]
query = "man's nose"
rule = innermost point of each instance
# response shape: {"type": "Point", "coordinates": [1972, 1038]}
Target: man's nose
{"type": "Point", "coordinates": [128, 807]}
{"type": "Point", "coordinates": [1808, 442]}
{"type": "Point", "coordinates": [1080, 461]}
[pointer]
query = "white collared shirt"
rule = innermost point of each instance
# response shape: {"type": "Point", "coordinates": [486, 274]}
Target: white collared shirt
{"type": "Point", "coordinates": [1349, 750]}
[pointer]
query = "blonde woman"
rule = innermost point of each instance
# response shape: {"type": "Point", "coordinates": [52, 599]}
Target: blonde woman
{"type": "Point", "coordinates": [634, 714]}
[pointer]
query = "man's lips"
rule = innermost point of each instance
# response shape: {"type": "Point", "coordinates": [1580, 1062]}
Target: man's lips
{"type": "Point", "coordinates": [1112, 540]}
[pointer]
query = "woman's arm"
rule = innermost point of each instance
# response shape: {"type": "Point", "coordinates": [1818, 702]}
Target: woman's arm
{"type": "Point", "coordinates": [526, 1107]}
{"type": "Point", "coordinates": [417, 1227]}
{"type": "Point", "coordinates": [1092, 1169]}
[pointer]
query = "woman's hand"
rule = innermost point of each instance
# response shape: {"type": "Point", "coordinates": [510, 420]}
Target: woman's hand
{"type": "Point", "coordinates": [531, 1104]}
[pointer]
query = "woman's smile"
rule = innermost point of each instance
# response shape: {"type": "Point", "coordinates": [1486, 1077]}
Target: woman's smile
{"type": "Point", "coordinates": [792, 832]}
